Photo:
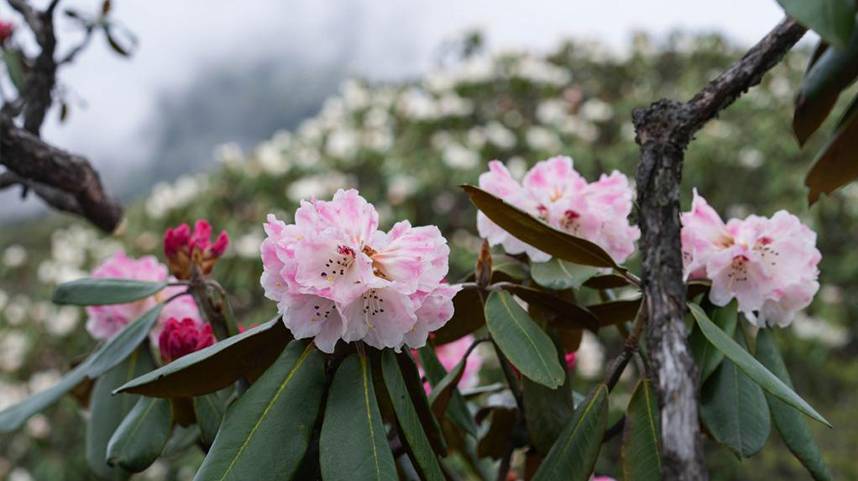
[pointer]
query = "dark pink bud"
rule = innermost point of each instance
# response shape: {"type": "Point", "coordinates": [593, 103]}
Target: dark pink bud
{"type": "Point", "coordinates": [176, 240]}
{"type": "Point", "coordinates": [180, 338]}
{"type": "Point", "coordinates": [202, 235]}
{"type": "Point", "coordinates": [570, 360]}
{"type": "Point", "coordinates": [6, 30]}
{"type": "Point", "coordinates": [220, 244]}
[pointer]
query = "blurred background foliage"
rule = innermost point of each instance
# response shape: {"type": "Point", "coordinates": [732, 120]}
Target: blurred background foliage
{"type": "Point", "coordinates": [407, 146]}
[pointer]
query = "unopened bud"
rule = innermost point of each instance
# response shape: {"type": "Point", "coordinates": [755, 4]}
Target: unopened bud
{"type": "Point", "coordinates": [180, 338]}
{"type": "Point", "coordinates": [185, 249]}
{"type": "Point", "coordinates": [483, 270]}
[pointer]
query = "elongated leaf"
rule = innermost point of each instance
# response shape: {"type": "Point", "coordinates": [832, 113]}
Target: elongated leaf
{"type": "Point", "coordinates": [13, 417]}
{"type": "Point", "coordinates": [734, 410]}
{"type": "Point", "coordinates": [615, 312]}
{"type": "Point", "coordinates": [457, 409]}
{"type": "Point", "coordinates": [574, 454]}
{"type": "Point", "coordinates": [216, 366]}
{"type": "Point", "coordinates": [548, 411]}
{"type": "Point", "coordinates": [509, 267]}
{"type": "Point", "coordinates": [467, 317]}
{"type": "Point", "coordinates": [642, 436]}
{"type": "Point", "coordinates": [706, 356]}
{"type": "Point", "coordinates": [353, 445]}
{"type": "Point", "coordinates": [267, 431]}
{"type": "Point", "coordinates": [559, 274]}
{"type": "Point", "coordinates": [442, 392]}
{"type": "Point", "coordinates": [120, 346]}
{"type": "Point", "coordinates": [141, 436]}
{"type": "Point", "coordinates": [750, 366]}
{"type": "Point", "coordinates": [831, 19]}
{"type": "Point", "coordinates": [789, 423]}
{"type": "Point", "coordinates": [606, 281]}
{"type": "Point", "coordinates": [98, 291]}
{"type": "Point", "coordinates": [568, 314]}
{"type": "Point", "coordinates": [497, 441]}
{"type": "Point", "coordinates": [108, 411]}
{"type": "Point", "coordinates": [12, 59]}
{"type": "Point", "coordinates": [208, 411]}
{"type": "Point", "coordinates": [410, 424]}
{"type": "Point", "coordinates": [537, 233]}
{"type": "Point", "coordinates": [526, 346]}
{"type": "Point", "coordinates": [415, 386]}
{"type": "Point", "coordinates": [836, 163]}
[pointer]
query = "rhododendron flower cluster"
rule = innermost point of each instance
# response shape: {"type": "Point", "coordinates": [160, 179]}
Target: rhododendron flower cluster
{"type": "Point", "coordinates": [181, 337]}
{"type": "Point", "coordinates": [105, 321]}
{"type": "Point", "coordinates": [769, 265]}
{"type": "Point", "coordinates": [185, 249]}
{"type": "Point", "coordinates": [334, 275]}
{"type": "Point", "coordinates": [556, 193]}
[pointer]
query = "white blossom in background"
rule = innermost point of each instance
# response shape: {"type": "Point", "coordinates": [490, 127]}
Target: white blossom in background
{"type": "Point", "coordinates": [247, 246]}
{"type": "Point", "coordinates": [820, 330]}
{"type": "Point", "coordinates": [156, 472]}
{"type": "Point", "coordinates": [16, 311]}
{"type": "Point", "coordinates": [590, 356]}
{"type": "Point", "coordinates": [14, 256]}
{"type": "Point", "coordinates": [538, 70]}
{"type": "Point", "coordinates": [166, 197]}
{"type": "Point", "coordinates": [63, 321]}
{"type": "Point", "coordinates": [230, 155]}
{"type": "Point", "coordinates": [452, 105]}
{"type": "Point", "coordinates": [11, 393]}
{"type": "Point", "coordinates": [38, 427]}
{"type": "Point", "coordinates": [315, 186]}
{"type": "Point", "coordinates": [750, 157]}
{"type": "Point", "coordinates": [400, 188]}
{"type": "Point", "coordinates": [342, 143]}
{"type": "Point", "coordinates": [20, 474]}
{"type": "Point", "coordinates": [43, 380]}
{"type": "Point", "coordinates": [14, 346]}
{"type": "Point", "coordinates": [542, 139]}
{"type": "Point", "coordinates": [577, 126]}
{"type": "Point", "coordinates": [596, 110]}
{"type": "Point", "coordinates": [269, 156]}
{"type": "Point", "coordinates": [500, 136]}
{"type": "Point", "coordinates": [417, 104]}
{"type": "Point", "coordinates": [4, 298]}
{"type": "Point", "coordinates": [552, 111]}
{"type": "Point", "coordinates": [355, 95]}
{"type": "Point", "coordinates": [457, 156]}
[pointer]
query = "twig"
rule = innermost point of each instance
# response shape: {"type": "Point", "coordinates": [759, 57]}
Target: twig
{"type": "Point", "coordinates": [664, 130]}
{"type": "Point", "coordinates": [629, 347]}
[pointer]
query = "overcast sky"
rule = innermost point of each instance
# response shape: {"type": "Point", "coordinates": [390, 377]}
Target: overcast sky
{"type": "Point", "coordinates": [388, 38]}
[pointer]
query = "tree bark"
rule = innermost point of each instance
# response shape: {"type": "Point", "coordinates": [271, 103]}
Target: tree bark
{"type": "Point", "coordinates": [664, 131]}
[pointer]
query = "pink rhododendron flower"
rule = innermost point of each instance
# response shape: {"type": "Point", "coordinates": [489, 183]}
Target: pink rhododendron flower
{"type": "Point", "coordinates": [769, 265]}
{"type": "Point", "coordinates": [185, 248]}
{"type": "Point", "coordinates": [179, 338]}
{"type": "Point", "coordinates": [451, 353]}
{"type": "Point", "coordinates": [335, 276]}
{"type": "Point", "coordinates": [556, 193]}
{"type": "Point", "coordinates": [106, 321]}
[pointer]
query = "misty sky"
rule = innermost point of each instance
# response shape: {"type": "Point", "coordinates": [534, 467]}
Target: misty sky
{"type": "Point", "coordinates": [386, 39]}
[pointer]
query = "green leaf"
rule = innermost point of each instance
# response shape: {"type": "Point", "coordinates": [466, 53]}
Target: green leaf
{"type": "Point", "coordinates": [569, 315]}
{"type": "Point", "coordinates": [415, 386]}
{"type": "Point", "coordinates": [498, 439]}
{"type": "Point", "coordinates": [538, 234]}
{"type": "Point", "coordinates": [13, 417]}
{"type": "Point", "coordinates": [574, 454]}
{"type": "Point", "coordinates": [509, 266]}
{"type": "Point", "coordinates": [706, 356]}
{"type": "Point", "coordinates": [791, 426]}
{"type": "Point", "coordinates": [615, 312]}
{"type": "Point", "coordinates": [216, 366]}
{"type": "Point", "coordinates": [443, 391]}
{"type": "Point", "coordinates": [141, 436]}
{"type": "Point", "coordinates": [830, 75]}
{"type": "Point", "coordinates": [267, 431]}
{"type": "Point", "coordinates": [750, 366]}
{"type": "Point", "coordinates": [548, 411]}
{"type": "Point", "coordinates": [831, 19]}
{"type": "Point", "coordinates": [353, 444]}
{"type": "Point", "coordinates": [12, 59]}
{"type": "Point", "coordinates": [606, 281]}
{"type": "Point", "coordinates": [97, 292]}
{"type": "Point", "coordinates": [457, 409]}
{"type": "Point", "coordinates": [108, 411]}
{"type": "Point", "coordinates": [836, 164]}
{"type": "Point", "coordinates": [558, 274]}
{"type": "Point", "coordinates": [526, 346]}
{"type": "Point", "coordinates": [410, 424]}
{"type": "Point", "coordinates": [467, 317]}
{"type": "Point", "coordinates": [641, 449]}
{"type": "Point", "coordinates": [120, 346]}
{"type": "Point", "coordinates": [208, 410]}
{"type": "Point", "coordinates": [734, 410]}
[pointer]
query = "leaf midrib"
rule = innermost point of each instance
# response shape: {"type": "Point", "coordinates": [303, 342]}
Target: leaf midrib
{"type": "Point", "coordinates": [527, 336]}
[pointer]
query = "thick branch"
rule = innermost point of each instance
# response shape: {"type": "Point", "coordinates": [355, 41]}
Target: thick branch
{"type": "Point", "coordinates": [50, 171]}
{"type": "Point", "coordinates": [663, 132]}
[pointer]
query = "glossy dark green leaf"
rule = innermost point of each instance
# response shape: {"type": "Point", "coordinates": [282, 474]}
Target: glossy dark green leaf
{"type": "Point", "coordinates": [606, 281]}
{"type": "Point", "coordinates": [836, 164]}
{"type": "Point", "coordinates": [457, 410]}
{"type": "Point", "coordinates": [548, 411]}
{"type": "Point", "coordinates": [107, 411]}
{"type": "Point", "coordinates": [568, 314]}
{"type": "Point", "coordinates": [120, 346]}
{"type": "Point", "coordinates": [510, 267]}
{"type": "Point", "coordinates": [641, 449]}
{"type": "Point", "coordinates": [443, 391]}
{"type": "Point", "coordinates": [706, 356]}
{"type": "Point", "coordinates": [832, 19]}
{"type": "Point", "coordinates": [98, 291]}
{"type": "Point", "coordinates": [410, 424]}
{"type": "Point", "coordinates": [532, 231]}
{"type": "Point", "coordinates": [526, 346]}
{"type": "Point", "coordinates": [615, 312]}
{"type": "Point", "coordinates": [574, 453]}
{"type": "Point", "coordinates": [467, 317]}
{"type": "Point", "coordinates": [750, 366]}
{"type": "Point", "coordinates": [216, 366]}
{"type": "Point", "coordinates": [208, 411]}
{"type": "Point", "coordinates": [420, 401]}
{"type": "Point", "coordinates": [141, 436]}
{"type": "Point", "coordinates": [789, 423]}
{"type": "Point", "coordinates": [353, 444]}
{"type": "Point", "coordinates": [496, 442]}
{"type": "Point", "coordinates": [267, 431]}
{"type": "Point", "coordinates": [734, 409]}
{"type": "Point", "coordinates": [13, 417]}
{"type": "Point", "coordinates": [12, 59]}
{"type": "Point", "coordinates": [559, 274]}
{"type": "Point", "coordinates": [830, 75]}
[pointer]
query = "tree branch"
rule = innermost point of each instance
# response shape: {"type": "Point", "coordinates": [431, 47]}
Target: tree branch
{"type": "Point", "coordinates": [664, 130]}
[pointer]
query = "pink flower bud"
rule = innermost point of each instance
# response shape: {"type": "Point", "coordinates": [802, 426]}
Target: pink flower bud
{"type": "Point", "coordinates": [179, 338]}
{"type": "Point", "coordinates": [185, 249]}
{"type": "Point", "coordinates": [569, 358]}
{"type": "Point", "coordinates": [6, 31]}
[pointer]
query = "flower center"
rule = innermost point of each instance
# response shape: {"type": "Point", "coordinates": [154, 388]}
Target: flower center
{"type": "Point", "coordinates": [338, 265]}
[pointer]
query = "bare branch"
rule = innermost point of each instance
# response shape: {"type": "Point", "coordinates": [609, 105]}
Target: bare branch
{"type": "Point", "coordinates": [664, 130]}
